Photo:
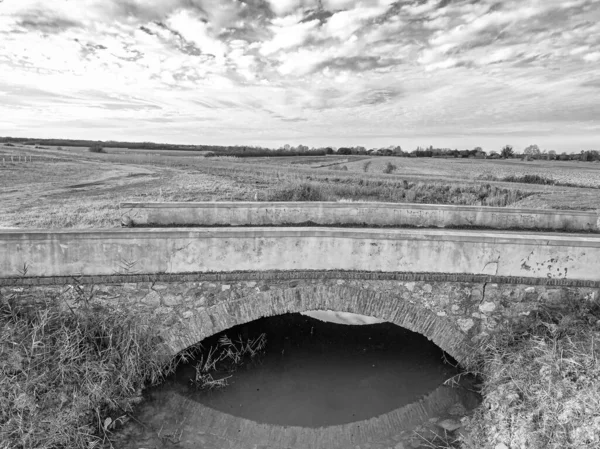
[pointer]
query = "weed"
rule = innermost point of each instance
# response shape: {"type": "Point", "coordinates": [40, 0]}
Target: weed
{"type": "Point", "coordinates": [540, 383]}
{"type": "Point", "coordinates": [69, 376]}
{"type": "Point", "coordinates": [226, 357]}
{"type": "Point", "coordinates": [366, 166]}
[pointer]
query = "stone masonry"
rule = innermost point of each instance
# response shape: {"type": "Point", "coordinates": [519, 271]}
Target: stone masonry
{"type": "Point", "coordinates": [455, 312]}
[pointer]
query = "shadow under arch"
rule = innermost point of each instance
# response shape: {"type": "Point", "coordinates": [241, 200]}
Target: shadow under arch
{"type": "Point", "coordinates": [411, 315]}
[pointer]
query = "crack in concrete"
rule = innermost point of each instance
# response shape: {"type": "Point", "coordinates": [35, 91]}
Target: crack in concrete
{"type": "Point", "coordinates": [483, 293]}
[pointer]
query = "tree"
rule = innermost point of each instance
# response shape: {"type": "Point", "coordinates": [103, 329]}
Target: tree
{"type": "Point", "coordinates": [328, 150]}
{"type": "Point", "coordinates": [533, 151]}
{"type": "Point", "coordinates": [551, 155]}
{"type": "Point", "coordinates": [507, 152]}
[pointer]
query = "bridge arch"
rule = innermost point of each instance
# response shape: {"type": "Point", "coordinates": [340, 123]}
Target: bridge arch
{"type": "Point", "coordinates": [411, 315]}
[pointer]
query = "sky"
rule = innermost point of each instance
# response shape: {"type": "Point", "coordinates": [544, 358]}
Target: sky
{"type": "Point", "coordinates": [374, 73]}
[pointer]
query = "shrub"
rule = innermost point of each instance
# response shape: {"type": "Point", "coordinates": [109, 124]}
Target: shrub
{"type": "Point", "coordinates": [529, 179]}
{"type": "Point", "coordinates": [304, 191]}
{"type": "Point", "coordinates": [96, 148]}
{"type": "Point", "coordinates": [389, 168]}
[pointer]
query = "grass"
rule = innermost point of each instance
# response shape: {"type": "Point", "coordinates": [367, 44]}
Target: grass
{"type": "Point", "coordinates": [79, 189]}
{"type": "Point", "coordinates": [540, 384]}
{"type": "Point", "coordinates": [395, 192]}
{"type": "Point", "coordinates": [532, 179]}
{"type": "Point", "coordinates": [68, 377]}
{"type": "Point", "coordinates": [226, 357]}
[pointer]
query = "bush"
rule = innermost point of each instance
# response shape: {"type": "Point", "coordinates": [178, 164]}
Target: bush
{"type": "Point", "coordinates": [304, 191]}
{"type": "Point", "coordinates": [529, 179]}
{"type": "Point", "coordinates": [389, 168]}
{"type": "Point", "coordinates": [96, 148]}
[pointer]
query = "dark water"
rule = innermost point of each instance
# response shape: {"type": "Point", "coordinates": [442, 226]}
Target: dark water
{"type": "Point", "coordinates": [312, 374]}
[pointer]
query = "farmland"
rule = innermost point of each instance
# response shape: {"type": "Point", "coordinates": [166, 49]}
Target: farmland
{"type": "Point", "coordinates": [54, 187]}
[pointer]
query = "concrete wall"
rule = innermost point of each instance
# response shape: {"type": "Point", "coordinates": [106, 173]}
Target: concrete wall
{"type": "Point", "coordinates": [373, 214]}
{"type": "Point", "coordinates": [183, 250]}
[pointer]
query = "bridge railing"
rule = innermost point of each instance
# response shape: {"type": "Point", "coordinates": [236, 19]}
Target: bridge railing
{"type": "Point", "coordinates": [92, 252]}
{"type": "Point", "coordinates": [355, 214]}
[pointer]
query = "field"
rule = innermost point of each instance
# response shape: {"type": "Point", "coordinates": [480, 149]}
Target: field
{"type": "Point", "coordinates": [71, 187]}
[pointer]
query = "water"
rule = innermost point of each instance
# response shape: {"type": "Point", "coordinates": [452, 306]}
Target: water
{"type": "Point", "coordinates": [312, 375]}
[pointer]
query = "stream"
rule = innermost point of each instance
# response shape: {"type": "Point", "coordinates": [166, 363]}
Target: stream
{"type": "Point", "coordinates": [312, 375]}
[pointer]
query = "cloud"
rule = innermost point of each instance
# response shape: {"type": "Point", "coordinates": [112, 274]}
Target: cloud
{"type": "Point", "coordinates": [302, 67]}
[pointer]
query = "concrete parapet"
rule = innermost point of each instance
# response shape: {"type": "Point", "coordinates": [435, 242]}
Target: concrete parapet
{"type": "Point", "coordinates": [192, 250]}
{"type": "Point", "coordinates": [356, 214]}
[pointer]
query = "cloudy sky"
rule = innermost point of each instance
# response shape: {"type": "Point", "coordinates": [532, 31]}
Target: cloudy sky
{"type": "Point", "coordinates": [451, 73]}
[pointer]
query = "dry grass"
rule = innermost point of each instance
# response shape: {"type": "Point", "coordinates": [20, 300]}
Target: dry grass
{"type": "Point", "coordinates": [566, 172]}
{"type": "Point", "coordinates": [397, 192]}
{"type": "Point", "coordinates": [540, 384]}
{"type": "Point", "coordinates": [69, 376]}
{"type": "Point", "coordinates": [73, 188]}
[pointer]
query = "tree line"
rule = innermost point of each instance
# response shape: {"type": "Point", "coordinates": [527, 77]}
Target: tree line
{"type": "Point", "coordinates": [532, 152]}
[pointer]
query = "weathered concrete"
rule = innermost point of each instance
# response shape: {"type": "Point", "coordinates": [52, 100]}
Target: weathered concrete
{"type": "Point", "coordinates": [357, 214]}
{"type": "Point", "coordinates": [184, 250]}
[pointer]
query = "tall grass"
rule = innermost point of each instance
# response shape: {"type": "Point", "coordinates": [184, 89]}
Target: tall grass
{"type": "Point", "coordinates": [540, 384]}
{"type": "Point", "coordinates": [69, 376]}
{"type": "Point", "coordinates": [226, 357]}
{"type": "Point", "coordinates": [398, 192]}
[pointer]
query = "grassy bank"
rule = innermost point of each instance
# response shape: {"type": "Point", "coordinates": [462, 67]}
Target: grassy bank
{"type": "Point", "coordinates": [540, 384]}
{"type": "Point", "coordinates": [70, 377]}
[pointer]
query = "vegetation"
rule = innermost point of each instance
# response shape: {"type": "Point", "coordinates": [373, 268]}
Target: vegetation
{"type": "Point", "coordinates": [396, 192]}
{"type": "Point", "coordinates": [531, 152]}
{"type": "Point", "coordinates": [389, 168]}
{"type": "Point", "coordinates": [531, 179]}
{"type": "Point", "coordinates": [507, 152]}
{"type": "Point", "coordinates": [96, 148]}
{"type": "Point", "coordinates": [69, 376]}
{"type": "Point", "coordinates": [540, 383]}
{"type": "Point", "coordinates": [226, 358]}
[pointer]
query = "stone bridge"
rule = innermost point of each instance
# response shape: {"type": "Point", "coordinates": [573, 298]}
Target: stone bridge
{"type": "Point", "coordinates": [454, 286]}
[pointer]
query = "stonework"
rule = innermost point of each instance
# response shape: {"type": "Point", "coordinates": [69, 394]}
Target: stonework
{"type": "Point", "coordinates": [455, 315]}
{"type": "Point", "coordinates": [455, 312]}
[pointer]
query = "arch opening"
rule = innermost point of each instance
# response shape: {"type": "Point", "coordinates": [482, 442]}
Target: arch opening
{"type": "Point", "coordinates": [192, 417]}
{"type": "Point", "coordinates": [316, 378]}
{"type": "Point", "coordinates": [407, 314]}
{"type": "Point", "coordinates": [312, 373]}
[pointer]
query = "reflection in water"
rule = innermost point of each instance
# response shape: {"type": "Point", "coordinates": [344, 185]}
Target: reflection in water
{"type": "Point", "coordinates": [313, 374]}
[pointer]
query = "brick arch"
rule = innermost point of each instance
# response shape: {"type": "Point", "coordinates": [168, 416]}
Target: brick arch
{"type": "Point", "coordinates": [383, 305]}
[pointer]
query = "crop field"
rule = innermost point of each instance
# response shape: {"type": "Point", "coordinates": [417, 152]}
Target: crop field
{"type": "Point", "coordinates": [572, 172]}
{"type": "Point", "coordinates": [71, 187]}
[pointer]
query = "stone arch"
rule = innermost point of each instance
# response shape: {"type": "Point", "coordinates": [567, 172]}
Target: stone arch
{"type": "Point", "coordinates": [410, 315]}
